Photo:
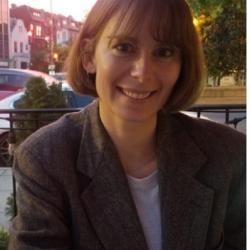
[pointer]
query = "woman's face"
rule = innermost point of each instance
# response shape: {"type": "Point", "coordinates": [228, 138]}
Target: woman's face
{"type": "Point", "coordinates": [135, 74]}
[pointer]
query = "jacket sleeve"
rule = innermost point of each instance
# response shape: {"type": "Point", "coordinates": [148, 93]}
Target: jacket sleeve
{"type": "Point", "coordinates": [235, 221]}
{"type": "Point", "coordinates": [41, 222]}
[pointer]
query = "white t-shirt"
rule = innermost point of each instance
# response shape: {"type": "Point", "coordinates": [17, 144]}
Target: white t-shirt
{"type": "Point", "coordinates": [145, 192]}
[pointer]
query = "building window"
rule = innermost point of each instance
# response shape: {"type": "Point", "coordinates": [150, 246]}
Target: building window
{"type": "Point", "coordinates": [20, 28]}
{"type": "Point", "coordinates": [15, 46]}
{"type": "Point", "coordinates": [27, 47]}
{"type": "Point", "coordinates": [64, 36]}
{"type": "Point", "coordinates": [38, 31]}
{"type": "Point", "coordinates": [21, 47]}
{"type": "Point", "coordinates": [31, 26]}
{"type": "Point", "coordinates": [36, 14]}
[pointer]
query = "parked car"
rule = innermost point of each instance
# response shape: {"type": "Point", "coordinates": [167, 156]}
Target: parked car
{"type": "Point", "coordinates": [73, 100]}
{"type": "Point", "coordinates": [5, 93]}
{"type": "Point", "coordinates": [15, 79]}
{"type": "Point", "coordinates": [60, 76]}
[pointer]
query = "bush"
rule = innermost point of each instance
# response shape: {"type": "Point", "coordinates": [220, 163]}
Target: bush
{"type": "Point", "coordinates": [4, 238]}
{"type": "Point", "coordinates": [37, 96]}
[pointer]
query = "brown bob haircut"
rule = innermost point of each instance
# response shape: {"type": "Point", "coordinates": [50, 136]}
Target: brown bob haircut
{"type": "Point", "coordinates": [171, 22]}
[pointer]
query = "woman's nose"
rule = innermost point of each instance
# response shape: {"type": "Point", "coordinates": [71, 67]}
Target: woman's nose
{"type": "Point", "coordinates": [142, 68]}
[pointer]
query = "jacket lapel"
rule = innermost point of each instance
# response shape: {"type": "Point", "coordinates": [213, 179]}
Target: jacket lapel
{"type": "Point", "coordinates": [186, 203]}
{"type": "Point", "coordinates": [107, 199]}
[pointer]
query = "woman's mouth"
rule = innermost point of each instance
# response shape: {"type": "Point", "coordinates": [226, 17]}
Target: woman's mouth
{"type": "Point", "coordinates": [135, 94]}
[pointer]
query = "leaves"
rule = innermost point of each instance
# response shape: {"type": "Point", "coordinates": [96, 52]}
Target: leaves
{"type": "Point", "coordinates": [4, 238]}
{"type": "Point", "coordinates": [37, 95]}
{"type": "Point", "coordinates": [223, 32]}
{"type": "Point", "coordinates": [9, 209]}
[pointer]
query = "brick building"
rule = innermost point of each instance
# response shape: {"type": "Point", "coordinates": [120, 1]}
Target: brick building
{"type": "Point", "coordinates": [45, 30]}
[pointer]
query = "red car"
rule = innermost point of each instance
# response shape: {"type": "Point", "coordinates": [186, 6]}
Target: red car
{"type": "Point", "coordinates": [15, 79]}
{"type": "Point", "coordinates": [5, 93]}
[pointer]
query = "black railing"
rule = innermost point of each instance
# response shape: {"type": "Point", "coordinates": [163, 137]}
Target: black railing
{"type": "Point", "coordinates": [13, 116]}
{"type": "Point", "coordinates": [198, 109]}
{"type": "Point", "coordinates": [223, 108]}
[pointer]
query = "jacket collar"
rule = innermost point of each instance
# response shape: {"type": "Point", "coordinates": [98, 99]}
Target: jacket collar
{"type": "Point", "coordinates": [185, 205]}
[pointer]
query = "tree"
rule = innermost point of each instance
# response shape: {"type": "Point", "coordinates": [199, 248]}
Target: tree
{"type": "Point", "coordinates": [225, 43]}
{"type": "Point", "coordinates": [40, 60]}
{"type": "Point", "coordinates": [62, 53]}
{"type": "Point", "coordinates": [223, 32]}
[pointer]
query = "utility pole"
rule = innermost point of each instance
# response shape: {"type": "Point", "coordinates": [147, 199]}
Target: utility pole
{"type": "Point", "coordinates": [52, 65]}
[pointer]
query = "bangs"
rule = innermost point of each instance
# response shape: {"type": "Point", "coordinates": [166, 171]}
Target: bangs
{"type": "Point", "coordinates": [166, 25]}
{"type": "Point", "coordinates": [165, 19]}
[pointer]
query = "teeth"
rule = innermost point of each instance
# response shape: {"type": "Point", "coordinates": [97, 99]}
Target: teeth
{"type": "Point", "coordinates": [136, 95]}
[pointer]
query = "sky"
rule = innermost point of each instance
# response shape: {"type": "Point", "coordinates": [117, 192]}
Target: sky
{"type": "Point", "coordinates": [76, 8]}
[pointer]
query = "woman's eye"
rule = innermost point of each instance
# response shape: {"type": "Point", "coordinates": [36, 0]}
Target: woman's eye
{"type": "Point", "coordinates": [164, 52]}
{"type": "Point", "coordinates": [124, 48]}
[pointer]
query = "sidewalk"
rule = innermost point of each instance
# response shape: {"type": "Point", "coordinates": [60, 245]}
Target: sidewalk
{"type": "Point", "coordinates": [5, 192]}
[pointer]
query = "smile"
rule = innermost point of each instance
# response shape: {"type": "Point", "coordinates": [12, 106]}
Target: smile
{"type": "Point", "coordinates": [138, 95]}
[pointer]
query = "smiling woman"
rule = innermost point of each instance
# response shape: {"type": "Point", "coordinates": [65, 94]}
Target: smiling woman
{"type": "Point", "coordinates": [130, 171]}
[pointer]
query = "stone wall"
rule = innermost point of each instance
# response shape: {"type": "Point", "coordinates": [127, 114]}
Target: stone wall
{"type": "Point", "coordinates": [223, 95]}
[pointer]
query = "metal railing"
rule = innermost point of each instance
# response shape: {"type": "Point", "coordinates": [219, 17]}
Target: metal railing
{"type": "Point", "coordinates": [223, 108]}
{"type": "Point", "coordinates": [13, 116]}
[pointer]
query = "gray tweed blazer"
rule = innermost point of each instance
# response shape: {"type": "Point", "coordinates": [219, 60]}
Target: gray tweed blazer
{"type": "Point", "coordinates": [73, 193]}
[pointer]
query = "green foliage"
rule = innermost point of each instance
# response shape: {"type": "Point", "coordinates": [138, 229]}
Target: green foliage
{"type": "Point", "coordinates": [206, 7]}
{"type": "Point", "coordinates": [40, 60]}
{"type": "Point", "coordinates": [37, 96]}
{"type": "Point", "coordinates": [62, 52]}
{"type": "Point", "coordinates": [9, 209]}
{"type": "Point", "coordinates": [4, 238]}
{"type": "Point", "coordinates": [223, 32]}
{"type": "Point", "coordinates": [225, 44]}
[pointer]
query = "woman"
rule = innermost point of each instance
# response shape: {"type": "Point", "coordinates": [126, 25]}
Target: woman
{"type": "Point", "coordinates": [129, 172]}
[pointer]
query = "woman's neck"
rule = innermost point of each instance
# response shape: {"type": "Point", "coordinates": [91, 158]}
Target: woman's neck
{"type": "Point", "coordinates": [135, 143]}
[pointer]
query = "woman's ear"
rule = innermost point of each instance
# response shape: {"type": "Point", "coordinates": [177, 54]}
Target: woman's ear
{"type": "Point", "coordinates": [88, 61]}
